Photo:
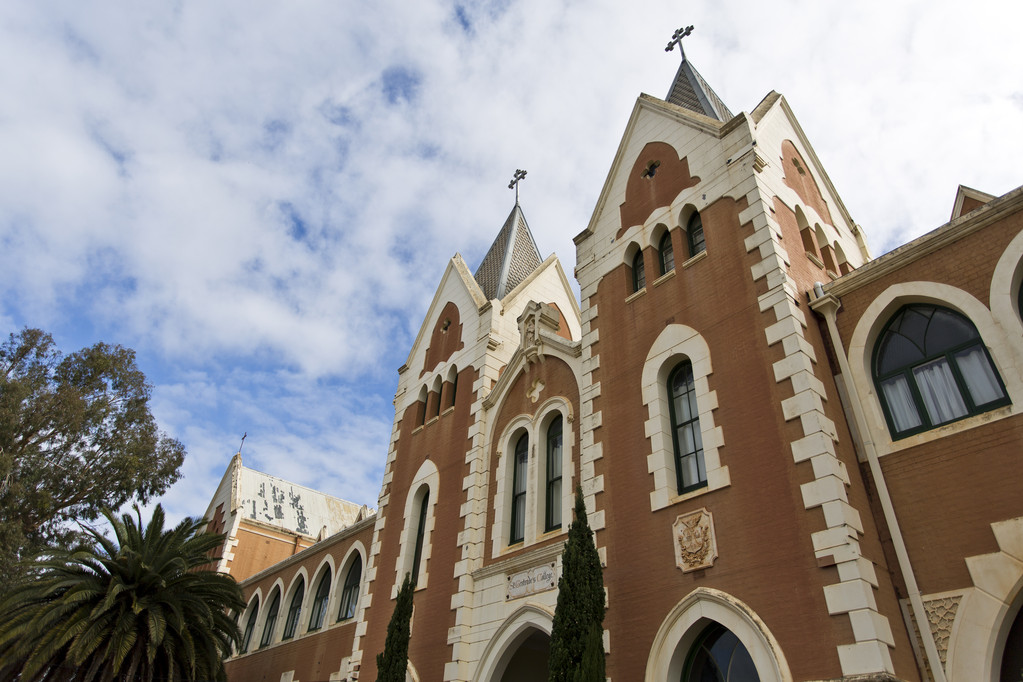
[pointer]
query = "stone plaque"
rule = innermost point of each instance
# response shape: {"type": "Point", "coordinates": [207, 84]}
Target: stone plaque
{"type": "Point", "coordinates": [533, 580]}
{"type": "Point", "coordinates": [695, 544]}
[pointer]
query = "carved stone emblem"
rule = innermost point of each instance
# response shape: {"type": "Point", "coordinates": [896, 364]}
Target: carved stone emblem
{"type": "Point", "coordinates": [696, 546]}
{"type": "Point", "coordinates": [534, 318]}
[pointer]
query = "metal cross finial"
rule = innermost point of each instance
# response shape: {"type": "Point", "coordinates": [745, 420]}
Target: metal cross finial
{"type": "Point", "coordinates": [514, 184]}
{"type": "Point", "coordinates": [244, 436]}
{"type": "Point", "coordinates": [676, 39]}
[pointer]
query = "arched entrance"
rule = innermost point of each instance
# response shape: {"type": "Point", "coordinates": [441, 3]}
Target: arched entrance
{"type": "Point", "coordinates": [1012, 656]}
{"type": "Point", "coordinates": [528, 661]}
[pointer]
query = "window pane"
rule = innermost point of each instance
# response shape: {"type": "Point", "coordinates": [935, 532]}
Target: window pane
{"type": "Point", "coordinates": [554, 505]}
{"type": "Point", "coordinates": [895, 352]}
{"type": "Point", "coordinates": [900, 403]}
{"type": "Point", "coordinates": [553, 488]}
{"type": "Point", "coordinates": [938, 389]}
{"type": "Point", "coordinates": [667, 254]}
{"type": "Point", "coordinates": [638, 276]}
{"type": "Point", "coordinates": [979, 375]}
{"type": "Point", "coordinates": [350, 596]}
{"type": "Point", "coordinates": [271, 620]}
{"type": "Point", "coordinates": [518, 530]}
{"type": "Point", "coordinates": [947, 330]}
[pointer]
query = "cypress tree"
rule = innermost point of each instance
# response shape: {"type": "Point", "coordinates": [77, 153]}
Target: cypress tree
{"type": "Point", "coordinates": [393, 662]}
{"type": "Point", "coordinates": [577, 638]}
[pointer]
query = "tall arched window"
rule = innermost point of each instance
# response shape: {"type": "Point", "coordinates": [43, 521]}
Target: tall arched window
{"type": "Point", "coordinates": [350, 595]}
{"type": "Point", "coordinates": [271, 619]}
{"type": "Point", "coordinates": [931, 368]}
{"type": "Point", "coordinates": [719, 655]}
{"type": "Point", "coordinates": [250, 626]}
{"type": "Point", "coordinates": [318, 610]}
{"type": "Point", "coordinates": [694, 235]}
{"type": "Point", "coordinates": [685, 429]}
{"type": "Point", "coordinates": [638, 275]}
{"type": "Point", "coordinates": [552, 518]}
{"type": "Point", "coordinates": [295, 610]}
{"type": "Point", "coordinates": [667, 254]}
{"type": "Point", "coordinates": [417, 555]}
{"type": "Point", "coordinates": [518, 507]}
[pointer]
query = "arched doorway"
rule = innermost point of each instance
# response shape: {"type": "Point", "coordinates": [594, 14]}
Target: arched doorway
{"type": "Point", "coordinates": [528, 661]}
{"type": "Point", "coordinates": [1012, 657]}
{"type": "Point", "coordinates": [717, 654]}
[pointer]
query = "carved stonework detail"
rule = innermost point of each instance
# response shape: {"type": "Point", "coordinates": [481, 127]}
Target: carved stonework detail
{"type": "Point", "coordinates": [536, 317]}
{"type": "Point", "coordinates": [941, 613]}
{"type": "Point", "coordinates": [696, 545]}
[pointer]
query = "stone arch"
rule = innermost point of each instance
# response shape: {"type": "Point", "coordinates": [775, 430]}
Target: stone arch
{"type": "Point", "coordinates": [872, 322]}
{"type": "Point", "coordinates": [357, 549]}
{"type": "Point", "coordinates": [684, 623]}
{"type": "Point", "coordinates": [1005, 285]}
{"type": "Point", "coordinates": [529, 618]}
{"type": "Point", "coordinates": [426, 481]}
{"type": "Point", "coordinates": [986, 612]}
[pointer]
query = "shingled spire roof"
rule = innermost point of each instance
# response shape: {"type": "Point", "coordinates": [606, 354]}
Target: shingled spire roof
{"type": "Point", "coordinates": [512, 257]}
{"type": "Point", "coordinates": [690, 90]}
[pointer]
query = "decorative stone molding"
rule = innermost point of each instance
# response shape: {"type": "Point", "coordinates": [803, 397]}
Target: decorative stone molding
{"type": "Point", "coordinates": [696, 544]}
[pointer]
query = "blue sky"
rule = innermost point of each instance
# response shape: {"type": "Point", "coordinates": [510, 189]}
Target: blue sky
{"type": "Point", "coordinates": [260, 198]}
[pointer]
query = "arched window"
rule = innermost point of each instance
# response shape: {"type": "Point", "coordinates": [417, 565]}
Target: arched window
{"type": "Point", "coordinates": [294, 611]}
{"type": "Point", "coordinates": [718, 654]}
{"type": "Point", "coordinates": [319, 606]}
{"type": "Point", "coordinates": [250, 626]}
{"type": "Point", "coordinates": [931, 368]}
{"type": "Point", "coordinates": [271, 619]}
{"type": "Point", "coordinates": [552, 518]}
{"type": "Point", "coordinates": [667, 253]}
{"type": "Point", "coordinates": [518, 508]}
{"type": "Point", "coordinates": [694, 235]}
{"type": "Point", "coordinates": [350, 595]}
{"type": "Point", "coordinates": [685, 429]}
{"type": "Point", "coordinates": [638, 275]}
{"type": "Point", "coordinates": [417, 555]}
{"type": "Point", "coordinates": [421, 407]}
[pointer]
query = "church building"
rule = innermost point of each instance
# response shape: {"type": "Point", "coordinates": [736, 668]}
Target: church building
{"type": "Point", "coordinates": [800, 463]}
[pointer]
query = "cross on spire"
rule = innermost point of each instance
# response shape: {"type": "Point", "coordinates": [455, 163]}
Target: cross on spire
{"type": "Point", "coordinates": [676, 39]}
{"type": "Point", "coordinates": [514, 184]}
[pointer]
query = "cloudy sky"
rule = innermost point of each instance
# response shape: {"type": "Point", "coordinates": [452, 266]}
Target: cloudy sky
{"type": "Point", "coordinates": [260, 197]}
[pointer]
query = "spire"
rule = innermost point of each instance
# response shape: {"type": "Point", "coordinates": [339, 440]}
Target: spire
{"type": "Point", "coordinates": [690, 90]}
{"type": "Point", "coordinates": [512, 257]}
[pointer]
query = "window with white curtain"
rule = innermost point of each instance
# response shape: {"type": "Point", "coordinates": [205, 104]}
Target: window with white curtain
{"type": "Point", "coordinates": [931, 368]}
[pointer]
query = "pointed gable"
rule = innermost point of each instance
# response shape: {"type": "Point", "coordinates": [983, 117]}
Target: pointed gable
{"type": "Point", "coordinates": [511, 259]}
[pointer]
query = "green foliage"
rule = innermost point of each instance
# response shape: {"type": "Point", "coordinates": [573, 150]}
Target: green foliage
{"type": "Point", "coordinates": [577, 644]}
{"type": "Point", "coordinates": [76, 436]}
{"type": "Point", "coordinates": [393, 662]}
{"type": "Point", "coordinates": [144, 606]}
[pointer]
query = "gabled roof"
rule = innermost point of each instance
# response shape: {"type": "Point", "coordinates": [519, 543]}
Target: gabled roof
{"type": "Point", "coordinates": [691, 91]}
{"type": "Point", "coordinates": [512, 257]}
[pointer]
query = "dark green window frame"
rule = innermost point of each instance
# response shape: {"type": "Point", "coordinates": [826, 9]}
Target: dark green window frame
{"type": "Point", "coordinates": [294, 611]}
{"type": "Point", "coordinates": [350, 595]}
{"type": "Point", "coordinates": [270, 624]}
{"type": "Point", "coordinates": [318, 609]}
{"type": "Point", "coordinates": [638, 274]}
{"type": "Point", "coordinates": [417, 555]}
{"type": "Point", "coordinates": [931, 368]}
{"type": "Point", "coordinates": [686, 437]}
{"type": "Point", "coordinates": [555, 455]}
{"type": "Point", "coordinates": [250, 627]}
{"type": "Point", "coordinates": [667, 254]}
{"type": "Point", "coordinates": [694, 235]}
{"type": "Point", "coordinates": [520, 463]}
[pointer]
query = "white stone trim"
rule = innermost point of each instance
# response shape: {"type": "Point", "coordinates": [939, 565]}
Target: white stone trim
{"type": "Point", "coordinates": [427, 477]}
{"type": "Point", "coordinates": [515, 629]}
{"type": "Point", "coordinates": [685, 622]}
{"type": "Point", "coordinates": [1005, 284]}
{"type": "Point", "coordinates": [868, 328]}
{"type": "Point", "coordinates": [675, 343]}
{"type": "Point", "coordinates": [987, 610]}
{"type": "Point", "coordinates": [303, 624]}
{"type": "Point", "coordinates": [363, 599]}
{"type": "Point", "coordinates": [286, 604]}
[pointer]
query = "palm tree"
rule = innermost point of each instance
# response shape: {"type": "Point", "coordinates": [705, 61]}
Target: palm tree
{"type": "Point", "coordinates": [145, 606]}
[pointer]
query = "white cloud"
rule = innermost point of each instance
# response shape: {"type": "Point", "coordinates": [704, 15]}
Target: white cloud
{"type": "Point", "coordinates": [261, 197]}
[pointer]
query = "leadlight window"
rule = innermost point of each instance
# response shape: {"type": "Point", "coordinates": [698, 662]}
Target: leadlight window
{"type": "Point", "coordinates": [931, 368]}
{"type": "Point", "coordinates": [417, 556]}
{"type": "Point", "coordinates": [518, 509]}
{"type": "Point", "coordinates": [318, 610]}
{"type": "Point", "coordinates": [719, 655]}
{"type": "Point", "coordinates": [552, 520]}
{"type": "Point", "coordinates": [686, 437]}
{"type": "Point", "coordinates": [667, 253]}
{"type": "Point", "coordinates": [250, 627]}
{"type": "Point", "coordinates": [271, 619]}
{"type": "Point", "coordinates": [638, 275]}
{"type": "Point", "coordinates": [694, 235]}
{"type": "Point", "coordinates": [294, 611]}
{"type": "Point", "coordinates": [350, 595]}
